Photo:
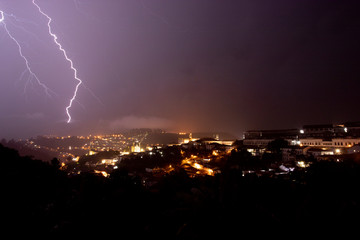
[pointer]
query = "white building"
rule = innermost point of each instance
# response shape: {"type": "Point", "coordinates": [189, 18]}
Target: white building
{"type": "Point", "coordinates": [335, 142]}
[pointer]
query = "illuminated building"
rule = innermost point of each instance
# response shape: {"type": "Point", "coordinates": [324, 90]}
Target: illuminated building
{"type": "Point", "coordinates": [112, 161]}
{"type": "Point", "coordinates": [261, 138]}
{"type": "Point", "coordinates": [91, 152]}
{"type": "Point", "coordinates": [186, 138]}
{"type": "Point", "coordinates": [320, 135]}
{"type": "Point", "coordinates": [335, 142]}
{"type": "Point", "coordinates": [135, 148]}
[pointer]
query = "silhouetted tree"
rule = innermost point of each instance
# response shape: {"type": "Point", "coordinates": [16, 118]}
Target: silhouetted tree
{"type": "Point", "coordinates": [276, 145]}
{"type": "Point", "coordinates": [55, 163]}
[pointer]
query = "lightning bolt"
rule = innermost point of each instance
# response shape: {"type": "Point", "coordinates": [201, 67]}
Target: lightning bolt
{"type": "Point", "coordinates": [2, 17]}
{"type": "Point", "coordinates": [28, 68]}
{"type": "Point", "coordinates": [66, 57]}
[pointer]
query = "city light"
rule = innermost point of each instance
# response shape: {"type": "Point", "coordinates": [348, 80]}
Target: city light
{"type": "Point", "coordinates": [301, 164]}
{"type": "Point", "coordinates": [195, 161]}
{"type": "Point", "coordinates": [197, 166]}
{"type": "Point", "coordinates": [103, 173]}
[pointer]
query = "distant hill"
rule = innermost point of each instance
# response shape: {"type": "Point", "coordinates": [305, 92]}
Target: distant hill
{"type": "Point", "coordinates": [171, 138]}
{"type": "Point", "coordinates": [24, 150]}
{"type": "Point", "coordinates": [222, 135]}
{"type": "Point", "coordinates": [161, 138]}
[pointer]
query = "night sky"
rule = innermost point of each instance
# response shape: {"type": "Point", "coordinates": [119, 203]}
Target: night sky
{"type": "Point", "coordinates": [180, 65]}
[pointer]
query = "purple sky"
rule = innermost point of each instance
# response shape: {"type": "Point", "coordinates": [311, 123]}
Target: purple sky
{"type": "Point", "coordinates": [182, 65]}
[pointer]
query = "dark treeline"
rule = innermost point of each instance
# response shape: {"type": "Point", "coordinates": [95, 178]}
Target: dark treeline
{"type": "Point", "coordinates": [39, 199]}
{"type": "Point", "coordinates": [25, 150]}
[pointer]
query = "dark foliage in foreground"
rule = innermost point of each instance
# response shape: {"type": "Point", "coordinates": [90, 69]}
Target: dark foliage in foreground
{"type": "Point", "coordinates": [38, 199]}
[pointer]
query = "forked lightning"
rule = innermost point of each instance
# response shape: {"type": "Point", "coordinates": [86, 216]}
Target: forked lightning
{"type": "Point", "coordinates": [28, 68]}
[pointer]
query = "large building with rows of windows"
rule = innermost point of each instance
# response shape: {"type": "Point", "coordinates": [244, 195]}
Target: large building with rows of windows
{"type": "Point", "coordinates": [325, 135]}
